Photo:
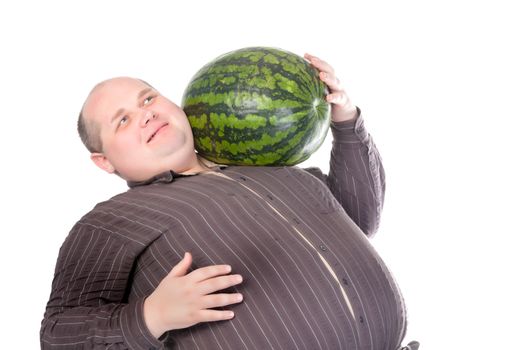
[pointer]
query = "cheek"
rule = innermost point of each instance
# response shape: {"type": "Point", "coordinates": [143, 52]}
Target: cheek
{"type": "Point", "coordinates": [184, 126]}
{"type": "Point", "coordinates": [123, 147]}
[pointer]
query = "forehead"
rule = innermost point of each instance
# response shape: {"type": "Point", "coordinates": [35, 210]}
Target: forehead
{"type": "Point", "coordinates": [111, 95]}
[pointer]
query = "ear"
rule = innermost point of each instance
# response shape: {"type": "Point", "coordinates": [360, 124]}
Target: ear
{"type": "Point", "coordinates": [102, 162]}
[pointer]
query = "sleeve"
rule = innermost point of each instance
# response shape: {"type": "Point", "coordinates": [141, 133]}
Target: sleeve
{"type": "Point", "coordinates": [356, 174]}
{"type": "Point", "coordinates": [87, 308]}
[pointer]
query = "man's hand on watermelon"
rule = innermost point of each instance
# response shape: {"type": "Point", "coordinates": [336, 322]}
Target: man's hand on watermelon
{"type": "Point", "coordinates": [342, 109]}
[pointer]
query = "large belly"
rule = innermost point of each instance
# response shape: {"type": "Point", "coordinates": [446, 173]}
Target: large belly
{"type": "Point", "coordinates": [311, 278]}
{"type": "Point", "coordinates": [300, 297]}
{"type": "Point", "coordinates": [306, 285]}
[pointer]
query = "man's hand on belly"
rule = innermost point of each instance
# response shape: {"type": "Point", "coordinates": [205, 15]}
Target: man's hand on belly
{"type": "Point", "coordinates": [184, 299]}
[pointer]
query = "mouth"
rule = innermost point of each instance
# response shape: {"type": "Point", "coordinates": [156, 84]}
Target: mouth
{"type": "Point", "coordinates": [156, 131]}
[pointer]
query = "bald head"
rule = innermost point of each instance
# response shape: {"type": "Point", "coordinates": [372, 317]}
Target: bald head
{"type": "Point", "coordinates": [135, 132]}
{"type": "Point", "coordinates": [88, 129]}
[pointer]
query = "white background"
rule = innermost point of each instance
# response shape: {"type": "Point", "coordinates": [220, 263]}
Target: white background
{"type": "Point", "coordinates": [431, 79]}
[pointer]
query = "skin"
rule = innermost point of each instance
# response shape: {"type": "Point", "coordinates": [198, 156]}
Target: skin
{"type": "Point", "coordinates": [142, 132]}
{"type": "Point", "coordinates": [128, 147]}
{"type": "Point", "coordinates": [184, 299]}
{"type": "Point", "coordinates": [145, 134]}
{"type": "Point", "coordinates": [342, 108]}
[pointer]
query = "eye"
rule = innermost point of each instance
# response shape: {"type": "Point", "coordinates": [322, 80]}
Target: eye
{"type": "Point", "coordinates": [123, 120]}
{"type": "Point", "coordinates": [147, 100]}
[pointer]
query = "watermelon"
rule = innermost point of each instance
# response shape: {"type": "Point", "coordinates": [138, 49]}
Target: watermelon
{"type": "Point", "coordinates": [257, 106]}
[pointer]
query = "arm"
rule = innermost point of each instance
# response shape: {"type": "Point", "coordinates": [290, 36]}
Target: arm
{"type": "Point", "coordinates": [356, 174]}
{"type": "Point", "coordinates": [88, 307]}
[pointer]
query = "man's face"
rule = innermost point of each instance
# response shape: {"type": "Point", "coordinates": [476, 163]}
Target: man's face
{"type": "Point", "coordinates": [142, 132]}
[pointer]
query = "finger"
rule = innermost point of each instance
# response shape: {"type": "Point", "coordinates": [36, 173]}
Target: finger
{"type": "Point", "coordinates": [308, 56]}
{"type": "Point", "coordinates": [214, 315]}
{"type": "Point", "coordinates": [182, 267]}
{"type": "Point", "coordinates": [204, 273]}
{"type": "Point", "coordinates": [332, 82]}
{"type": "Point", "coordinates": [215, 284]}
{"type": "Point", "coordinates": [219, 300]}
{"type": "Point", "coordinates": [320, 64]}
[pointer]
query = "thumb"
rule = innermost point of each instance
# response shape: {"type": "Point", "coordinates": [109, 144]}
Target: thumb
{"type": "Point", "coordinates": [182, 267]}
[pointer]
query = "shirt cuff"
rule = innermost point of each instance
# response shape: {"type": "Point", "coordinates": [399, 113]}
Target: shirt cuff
{"type": "Point", "coordinates": [134, 328]}
{"type": "Point", "coordinates": [350, 131]}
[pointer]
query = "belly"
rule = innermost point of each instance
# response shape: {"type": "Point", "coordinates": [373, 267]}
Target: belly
{"type": "Point", "coordinates": [319, 286]}
{"type": "Point", "coordinates": [312, 280]}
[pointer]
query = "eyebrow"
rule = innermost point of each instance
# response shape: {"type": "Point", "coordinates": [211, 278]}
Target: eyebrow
{"type": "Point", "coordinates": [122, 110]}
{"type": "Point", "coordinates": [144, 91]}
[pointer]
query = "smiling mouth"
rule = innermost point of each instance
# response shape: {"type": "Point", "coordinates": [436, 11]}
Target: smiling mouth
{"type": "Point", "coordinates": [155, 132]}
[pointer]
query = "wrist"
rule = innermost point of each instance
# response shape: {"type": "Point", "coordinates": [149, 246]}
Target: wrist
{"type": "Point", "coordinates": [344, 114]}
{"type": "Point", "coordinates": [152, 319]}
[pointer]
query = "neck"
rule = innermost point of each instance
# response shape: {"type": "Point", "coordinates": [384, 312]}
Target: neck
{"type": "Point", "coordinates": [198, 167]}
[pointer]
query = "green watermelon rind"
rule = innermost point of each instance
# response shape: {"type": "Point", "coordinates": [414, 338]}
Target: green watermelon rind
{"type": "Point", "coordinates": [276, 114]}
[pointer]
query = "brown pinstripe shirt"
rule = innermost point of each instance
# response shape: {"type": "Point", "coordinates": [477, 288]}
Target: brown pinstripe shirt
{"type": "Point", "coordinates": [311, 278]}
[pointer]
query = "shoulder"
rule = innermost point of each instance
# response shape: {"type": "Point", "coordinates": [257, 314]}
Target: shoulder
{"type": "Point", "coordinates": [316, 172]}
{"type": "Point", "coordinates": [119, 219]}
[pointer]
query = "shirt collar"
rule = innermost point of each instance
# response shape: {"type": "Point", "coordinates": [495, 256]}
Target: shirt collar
{"type": "Point", "coordinates": [169, 176]}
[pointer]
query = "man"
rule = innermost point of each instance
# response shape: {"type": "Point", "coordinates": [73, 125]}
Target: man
{"type": "Point", "coordinates": [305, 275]}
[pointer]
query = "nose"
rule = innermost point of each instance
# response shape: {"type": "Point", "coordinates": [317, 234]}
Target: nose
{"type": "Point", "coordinates": [146, 117]}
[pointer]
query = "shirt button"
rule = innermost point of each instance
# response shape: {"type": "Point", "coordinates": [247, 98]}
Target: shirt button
{"type": "Point", "coordinates": [323, 248]}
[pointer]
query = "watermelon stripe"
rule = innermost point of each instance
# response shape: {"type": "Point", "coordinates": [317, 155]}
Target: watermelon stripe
{"type": "Point", "coordinates": [283, 142]}
{"type": "Point", "coordinates": [257, 106]}
{"type": "Point", "coordinates": [300, 72]}
{"type": "Point", "coordinates": [240, 130]}
{"type": "Point", "coordinates": [277, 80]}
{"type": "Point", "coordinates": [246, 99]}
